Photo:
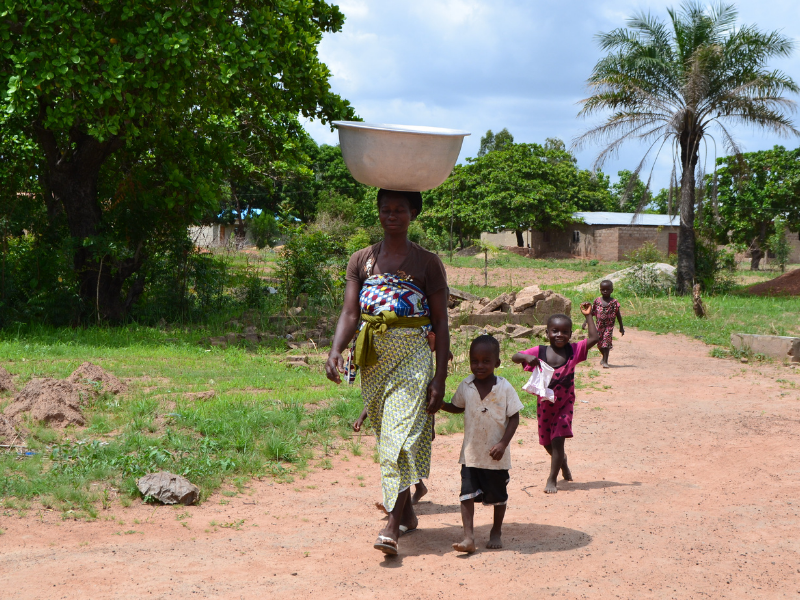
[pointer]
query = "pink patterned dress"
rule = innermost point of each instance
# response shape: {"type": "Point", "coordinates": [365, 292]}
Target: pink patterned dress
{"type": "Point", "coordinates": [555, 419]}
{"type": "Point", "coordinates": [605, 315]}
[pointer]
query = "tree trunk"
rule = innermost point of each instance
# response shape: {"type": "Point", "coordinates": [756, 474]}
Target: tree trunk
{"type": "Point", "coordinates": [686, 240]}
{"type": "Point", "coordinates": [520, 240]}
{"type": "Point", "coordinates": [70, 184]}
{"type": "Point", "coordinates": [756, 252]}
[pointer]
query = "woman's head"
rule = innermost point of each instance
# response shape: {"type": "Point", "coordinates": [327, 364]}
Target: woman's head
{"type": "Point", "coordinates": [396, 209]}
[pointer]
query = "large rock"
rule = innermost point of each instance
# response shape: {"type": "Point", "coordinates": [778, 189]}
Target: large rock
{"type": "Point", "coordinates": [52, 401]}
{"type": "Point", "coordinates": [457, 294]}
{"type": "Point", "coordinates": [168, 488]}
{"type": "Point", "coordinates": [667, 272]}
{"type": "Point", "coordinates": [496, 303]}
{"type": "Point", "coordinates": [776, 346]}
{"type": "Point", "coordinates": [92, 375]}
{"type": "Point", "coordinates": [529, 296]}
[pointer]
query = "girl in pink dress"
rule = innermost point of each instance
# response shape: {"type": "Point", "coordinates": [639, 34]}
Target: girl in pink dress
{"type": "Point", "coordinates": [555, 418]}
{"type": "Point", "coordinates": [606, 309]}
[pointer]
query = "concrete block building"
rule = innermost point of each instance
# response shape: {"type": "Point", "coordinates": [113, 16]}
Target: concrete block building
{"type": "Point", "coordinates": [599, 235]}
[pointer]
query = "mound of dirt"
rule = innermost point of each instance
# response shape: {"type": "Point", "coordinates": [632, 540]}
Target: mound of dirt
{"type": "Point", "coordinates": [51, 401]}
{"type": "Point", "coordinates": [8, 431]}
{"type": "Point", "coordinates": [787, 284]}
{"type": "Point", "coordinates": [6, 383]}
{"type": "Point", "coordinates": [90, 374]}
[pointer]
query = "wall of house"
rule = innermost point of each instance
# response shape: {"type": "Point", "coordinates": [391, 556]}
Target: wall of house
{"type": "Point", "coordinates": [207, 236]}
{"type": "Point", "coordinates": [793, 238]}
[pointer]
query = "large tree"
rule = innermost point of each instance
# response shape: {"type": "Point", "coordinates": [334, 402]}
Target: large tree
{"type": "Point", "coordinates": [125, 97]}
{"type": "Point", "coordinates": [755, 189]}
{"type": "Point", "coordinates": [680, 82]}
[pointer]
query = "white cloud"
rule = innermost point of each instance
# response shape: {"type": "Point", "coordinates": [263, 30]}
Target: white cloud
{"type": "Point", "coordinates": [489, 64]}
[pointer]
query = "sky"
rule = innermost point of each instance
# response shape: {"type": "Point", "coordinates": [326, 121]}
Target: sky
{"type": "Point", "coordinates": [488, 64]}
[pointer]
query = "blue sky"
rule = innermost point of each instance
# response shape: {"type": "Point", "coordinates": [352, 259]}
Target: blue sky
{"type": "Point", "coordinates": [489, 64]}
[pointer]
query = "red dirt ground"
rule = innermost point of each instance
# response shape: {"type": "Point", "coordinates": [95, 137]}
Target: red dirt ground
{"type": "Point", "coordinates": [787, 284]}
{"type": "Point", "coordinates": [514, 277]}
{"type": "Point", "coordinates": [687, 485]}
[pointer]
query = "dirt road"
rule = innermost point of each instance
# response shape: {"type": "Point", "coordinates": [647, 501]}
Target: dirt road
{"type": "Point", "coordinates": [687, 485]}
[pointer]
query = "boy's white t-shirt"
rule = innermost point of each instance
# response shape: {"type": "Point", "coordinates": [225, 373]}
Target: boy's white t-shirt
{"type": "Point", "coordinates": [485, 421]}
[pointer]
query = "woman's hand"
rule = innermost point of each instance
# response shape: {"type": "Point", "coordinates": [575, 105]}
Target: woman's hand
{"type": "Point", "coordinates": [333, 366]}
{"type": "Point", "coordinates": [435, 395]}
{"type": "Point", "coordinates": [586, 308]}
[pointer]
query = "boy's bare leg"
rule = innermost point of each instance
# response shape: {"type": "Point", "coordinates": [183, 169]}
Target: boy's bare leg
{"type": "Point", "coordinates": [558, 460]}
{"type": "Point", "coordinates": [495, 536]}
{"type": "Point", "coordinates": [467, 517]}
{"type": "Point", "coordinates": [419, 491]}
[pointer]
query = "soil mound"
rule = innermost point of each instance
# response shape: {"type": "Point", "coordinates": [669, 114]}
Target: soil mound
{"type": "Point", "coordinates": [52, 401]}
{"type": "Point", "coordinates": [6, 382]}
{"type": "Point", "coordinates": [90, 374]}
{"type": "Point", "coordinates": [8, 432]}
{"type": "Point", "coordinates": [787, 284]}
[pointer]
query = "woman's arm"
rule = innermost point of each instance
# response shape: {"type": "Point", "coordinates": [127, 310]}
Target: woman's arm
{"type": "Point", "coordinates": [438, 305]}
{"type": "Point", "coordinates": [593, 336]}
{"type": "Point", "coordinates": [345, 330]}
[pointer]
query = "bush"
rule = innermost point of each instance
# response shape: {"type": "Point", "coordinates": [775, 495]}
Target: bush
{"type": "Point", "coordinates": [713, 267]}
{"type": "Point", "coordinates": [264, 230]}
{"type": "Point", "coordinates": [312, 262]}
{"type": "Point", "coordinates": [779, 245]}
{"type": "Point", "coordinates": [646, 280]}
{"type": "Point", "coordinates": [360, 239]}
{"type": "Point", "coordinates": [646, 253]}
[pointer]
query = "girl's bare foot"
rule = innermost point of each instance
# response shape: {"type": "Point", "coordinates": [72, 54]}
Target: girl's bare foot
{"type": "Point", "coordinates": [565, 472]}
{"type": "Point", "coordinates": [468, 546]}
{"type": "Point", "coordinates": [551, 487]}
{"type": "Point", "coordinates": [495, 540]}
{"type": "Point", "coordinates": [605, 365]}
{"type": "Point", "coordinates": [419, 491]}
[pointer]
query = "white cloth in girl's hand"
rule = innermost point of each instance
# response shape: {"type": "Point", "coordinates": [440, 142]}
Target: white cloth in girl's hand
{"type": "Point", "coordinates": [539, 380]}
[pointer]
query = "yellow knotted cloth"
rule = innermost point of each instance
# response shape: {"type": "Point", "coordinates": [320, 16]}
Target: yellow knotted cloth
{"type": "Point", "coordinates": [366, 356]}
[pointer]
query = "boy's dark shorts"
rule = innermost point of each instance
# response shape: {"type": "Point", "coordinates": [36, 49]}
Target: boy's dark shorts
{"type": "Point", "coordinates": [484, 485]}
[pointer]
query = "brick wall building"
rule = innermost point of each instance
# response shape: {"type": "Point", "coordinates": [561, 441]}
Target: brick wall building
{"type": "Point", "coordinates": [600, 235]}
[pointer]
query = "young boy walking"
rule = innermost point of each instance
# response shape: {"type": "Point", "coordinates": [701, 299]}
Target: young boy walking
{"type": "Point", "coordinates": [491, 416]}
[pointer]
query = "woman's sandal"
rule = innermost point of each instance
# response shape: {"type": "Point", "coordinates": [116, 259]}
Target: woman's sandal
{"type": "Point", "coordinates": [386, 545]}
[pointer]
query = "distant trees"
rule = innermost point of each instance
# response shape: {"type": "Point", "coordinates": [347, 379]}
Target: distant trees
{"type": "Point", "coordinates": [671, 84]}
{"type": "Point", "coordinates": [515, 187]}
{"type": "Point", "coordinates": [755, 191]}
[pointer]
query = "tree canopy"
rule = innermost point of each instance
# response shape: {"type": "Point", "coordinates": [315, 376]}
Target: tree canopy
{"type": "Point", "coordinates": [754, 189]}
{"type": "Point", "coordinates": [143, 115]}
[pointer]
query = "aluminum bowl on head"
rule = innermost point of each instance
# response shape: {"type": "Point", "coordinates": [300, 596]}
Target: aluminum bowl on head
{"type": "Point", "coordinates": [399, 157]}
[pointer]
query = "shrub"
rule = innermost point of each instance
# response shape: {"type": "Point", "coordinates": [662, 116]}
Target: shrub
{"type": "Point", "coordinates": [713, 267]}
{"type": "Point", "coordinates": [779, 245]}
{"type": "Point", "coordinates": [360, 239]}
{"type": "Point", "coordinates": [312, 262]}
{"type": "Point", "coordinates": [645, 279]}
{"type": "Point", "coordinates": [646, 253]}
{"type": "Point", "coordinates": [264, 230]}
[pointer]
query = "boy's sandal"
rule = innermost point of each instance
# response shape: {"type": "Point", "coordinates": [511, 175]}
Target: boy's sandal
{"type": "Point", "coordinates": [386, 545]}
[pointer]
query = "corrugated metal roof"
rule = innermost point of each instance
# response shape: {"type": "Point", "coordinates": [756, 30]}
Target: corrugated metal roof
{"type": "Point", "coordinates": [615, 218]}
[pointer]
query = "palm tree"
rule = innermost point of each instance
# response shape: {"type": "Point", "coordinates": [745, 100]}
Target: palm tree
{"type": "Point", "coordinates": [681, 82]}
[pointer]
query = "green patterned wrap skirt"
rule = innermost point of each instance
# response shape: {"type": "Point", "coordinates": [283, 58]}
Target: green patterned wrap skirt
{"type": "Point", "coordinates": [395, 394]}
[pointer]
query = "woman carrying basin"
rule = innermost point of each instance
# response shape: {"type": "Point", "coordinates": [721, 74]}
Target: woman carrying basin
{"type": "Point", "coordinates": [395, 296]}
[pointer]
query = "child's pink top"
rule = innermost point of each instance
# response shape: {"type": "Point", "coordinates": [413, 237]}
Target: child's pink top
{"type": "Point", "coordinates": [563, 381]}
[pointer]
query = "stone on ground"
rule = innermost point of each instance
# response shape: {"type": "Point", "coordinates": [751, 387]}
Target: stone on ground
{"type": "Point", "coordinates": [168, 488]}
{"type": "Point", "coordinates": [529, 296]}
{"type": "Point", "coordinates": [775, 346]}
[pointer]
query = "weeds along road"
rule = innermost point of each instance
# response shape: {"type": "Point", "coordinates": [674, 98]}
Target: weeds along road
{"type": "Point", "coordinates": [687, 485]}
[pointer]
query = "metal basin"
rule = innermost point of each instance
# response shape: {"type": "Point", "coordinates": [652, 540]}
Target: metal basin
{"type": "Point", "coordinates": [399, 157]}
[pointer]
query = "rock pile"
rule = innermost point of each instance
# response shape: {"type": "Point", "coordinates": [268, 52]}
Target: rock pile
{"type": "Point", "coordinates": [531, 306]}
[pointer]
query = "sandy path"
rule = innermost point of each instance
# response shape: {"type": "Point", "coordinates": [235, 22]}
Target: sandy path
{"type": "Point", "coordinates": [687, 486]}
